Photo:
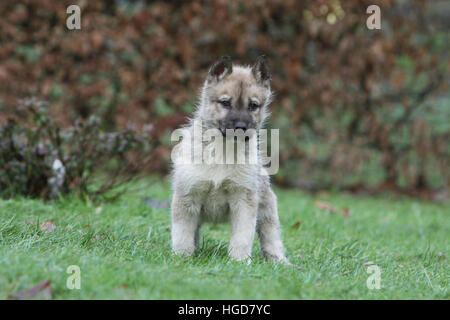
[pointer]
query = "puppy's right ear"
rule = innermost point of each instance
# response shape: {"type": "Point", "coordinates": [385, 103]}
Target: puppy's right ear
{"type": "Point", "coordinates": [220, 69]}
{"type": "Point", "coordinates": [261, 71]}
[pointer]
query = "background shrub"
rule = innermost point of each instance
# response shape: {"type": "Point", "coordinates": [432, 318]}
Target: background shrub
{"type": "Point", "coordinates": [356, 108]}
{"type": "Point", "coordinates": [39, 159]}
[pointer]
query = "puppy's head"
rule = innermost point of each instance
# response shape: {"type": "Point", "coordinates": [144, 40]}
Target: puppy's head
{"type": "Point", "coordinates": [236, 97]}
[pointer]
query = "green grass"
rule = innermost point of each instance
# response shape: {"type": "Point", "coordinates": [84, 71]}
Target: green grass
{"type": "Point", "coordinates": [123, 250]}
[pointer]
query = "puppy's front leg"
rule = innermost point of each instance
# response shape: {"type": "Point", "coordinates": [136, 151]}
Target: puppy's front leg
{"type": "Point", "coordinates": [185, 224]}
{"type": "Point", "coordinates": [268, 227]}
{"type": "Point", "coordinates": [243, 211]}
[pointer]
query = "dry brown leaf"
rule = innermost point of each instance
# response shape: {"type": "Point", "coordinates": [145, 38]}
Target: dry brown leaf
{"type": "Point", "coordinates": [346, 212]}
{"type": "Point", "coordinates": [42, 290]}
{"type": "Point", "coordinates": [98, 236]}
{"type": "Point", "coordinates": [47, 226]}
{"type": "Point", "coordinates": [325, 206]}
{"type": "Point", "coordinates": [296, 225]}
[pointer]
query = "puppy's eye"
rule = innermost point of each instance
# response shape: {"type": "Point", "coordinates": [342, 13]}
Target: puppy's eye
{"type": "Point", "coordinates": [225, 103]}
{"type": "Point", "coordinates": [252, 106]}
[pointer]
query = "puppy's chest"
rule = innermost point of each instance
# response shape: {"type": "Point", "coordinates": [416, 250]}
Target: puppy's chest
{"type": "Point", "coordinates": [223, 177]}
{"type": "Point", "coordinates": [214, 199]}
{"type": "Point", "coordinates": [208, 193]}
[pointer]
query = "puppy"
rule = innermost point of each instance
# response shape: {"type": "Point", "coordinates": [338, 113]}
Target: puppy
{"type": "Point", "coordinates": [234, 98]}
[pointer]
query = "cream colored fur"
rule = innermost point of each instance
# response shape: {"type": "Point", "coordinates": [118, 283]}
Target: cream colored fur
{"type": "Point", "coordinates": [235, 193]}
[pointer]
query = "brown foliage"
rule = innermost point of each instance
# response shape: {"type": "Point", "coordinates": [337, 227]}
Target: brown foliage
{"type": "Point", "coordinates": [346, 96]}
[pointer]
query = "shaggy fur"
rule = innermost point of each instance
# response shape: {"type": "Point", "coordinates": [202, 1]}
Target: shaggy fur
{"type": "Point", "coordinates": [233, 97]}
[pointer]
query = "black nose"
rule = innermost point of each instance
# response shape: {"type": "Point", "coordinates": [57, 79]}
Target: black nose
{"type": "Point", "coordinates": [240, 125]}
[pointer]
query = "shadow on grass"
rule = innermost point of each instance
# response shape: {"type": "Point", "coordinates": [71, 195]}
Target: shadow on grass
{"type": "Point", "coordinates": [212, 249]}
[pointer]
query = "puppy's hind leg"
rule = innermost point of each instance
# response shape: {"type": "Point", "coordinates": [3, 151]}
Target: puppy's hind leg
{"type": "Point", "coordinates": [185, 224]}
{"type": "Point", "coordinates": [268, 228]}
{"type": "Point", "coordinates": [197, 236]}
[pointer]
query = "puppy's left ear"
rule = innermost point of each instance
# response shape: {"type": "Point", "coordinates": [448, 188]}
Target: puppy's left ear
{"type": "Point", "coordinates": [220, 69]}
{"type": "Point", "coordinates": [261, 71]}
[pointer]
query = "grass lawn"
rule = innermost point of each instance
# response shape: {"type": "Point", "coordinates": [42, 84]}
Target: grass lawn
{"type": "Point", "coordinates": [123, 250]}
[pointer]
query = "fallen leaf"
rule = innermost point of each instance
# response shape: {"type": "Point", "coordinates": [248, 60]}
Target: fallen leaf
{"type": "Point", "coordinates": [123, 289]}
{"type": "Point", "coordinates": [98, 237]}
{"type": "Point", "coordinates": [98, 210]}
{"type": "Point", "coordinates": [296, 225]}
{"type": "Point", "coordinates": [346, 212]}
{"type": "Point", "coordinates": [42, 290]}
{"type": "Point", "coordinates": [323, 194]}
{"type": "Point", "coordinates": [325, 206]}
{"type": "Point", "coordinates": [47, 226]}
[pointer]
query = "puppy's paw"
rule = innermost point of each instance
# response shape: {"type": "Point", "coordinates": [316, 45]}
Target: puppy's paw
{"type": "Point", "coordinates": [239, 254]}
{"type": "Point", "coordinates": [278, 259]}
{"type": "Point", "coordinates": [183, 250]}
{"type": "Point", "coordinates": [284, 262]}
